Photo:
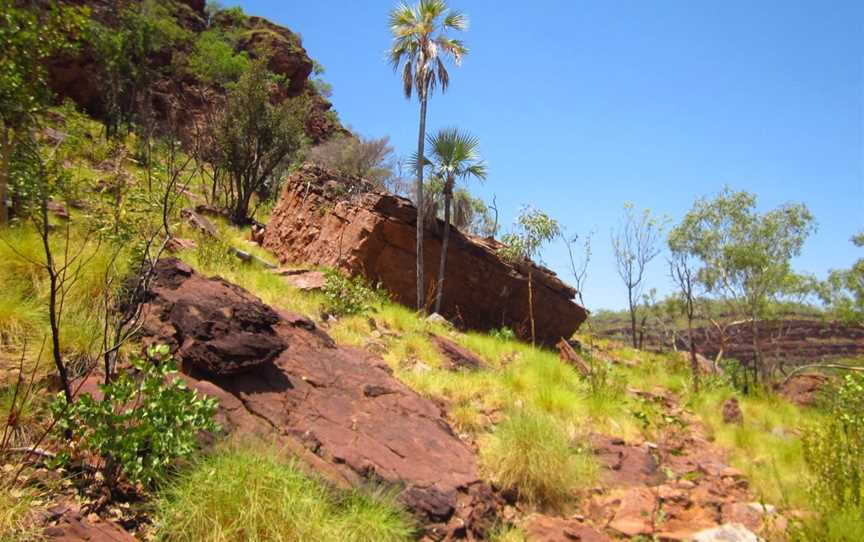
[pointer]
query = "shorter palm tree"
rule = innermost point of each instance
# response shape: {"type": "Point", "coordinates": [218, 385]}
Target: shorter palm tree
{"type": "Point", "coordinates": [454, 157]}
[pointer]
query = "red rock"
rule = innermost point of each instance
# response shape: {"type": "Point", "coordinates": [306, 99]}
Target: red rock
{"type": "Point", "coordinates": [540, 528]}
{"type": "Point", "coordinates": [625, 465]}
{"type": "Point", "coordinates": [459, 357]}
{"type": "Point", "coordinates": [304, 279]}
{"type": "Point", "coordinates": [732, 411]}
{"type": "Point", "coordinates": [176, 244]}
{"type": "Point", "coordinates": [210, 324]}
{"type": "Point", "coordinates": [338, 409]}
{"type": "Point", "coordinates": [635, 512]}
{"type": "Point", "coordinates": [199, 222]}
{"type": "Point", "coordinates": [72, 528]}
{"type": "Point", "coordinates": [804, 389]}
{"type": "Point", "coordinates": [373, 233]}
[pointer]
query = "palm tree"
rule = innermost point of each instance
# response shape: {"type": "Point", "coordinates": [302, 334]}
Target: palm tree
{"type": "Point", "coordinates": [454, 157]}
{"type": "Point", "coordinates": [420, 47]}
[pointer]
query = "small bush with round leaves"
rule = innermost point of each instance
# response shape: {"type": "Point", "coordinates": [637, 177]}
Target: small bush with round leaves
{"type": "Point", "coordinates": [345, 296]}
{"type": "Point", "coordinates": [146, 419]}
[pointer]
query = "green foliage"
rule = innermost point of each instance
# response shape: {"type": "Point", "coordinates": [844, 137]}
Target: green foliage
{"type": "Point", "coordinates": [255, 141]}
{"type": "Point", "coordinates": [745, 255]}
{"type": "Point", "coordinates": [529, 452]}
{"type": "Point", "coordinates": [421, 45]}
{"type": "Point", "coordinates": [534, 228]}
{"type": "Point", "coordinates": [503, 334]}
{"type": "Point", "coordinates": [834, 450]}
{"type": "Point", "coordinates": [345, 296]}
{"type": "Point", "coordinates": [246, 495]}
{"type": "Point", "coordinates": [142, 423]}
{"type": "Point", "coordinates": [213, 59]}
{"type": "Point", "coordinates": [28, 37]}
{"type": "Point", "coordinates": [843, 291]}
{"type": "Point", "coordinates": [125, 50]}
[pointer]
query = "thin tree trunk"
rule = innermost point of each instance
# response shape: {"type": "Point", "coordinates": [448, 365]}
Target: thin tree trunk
{"type": "Point", "coordinates": [5, 162]}
{"type": "Point", "coordinates": [421, 140]}
{"type": "Point", "coordinates": [694, 364]}
{"type": "Point", "coordinates": [632, 318]}
{"type": "Point", "coordinates": [448, 197]}
{"type": "Point", "coordinates": [53, 292]}
{"type": "Point", "coordinates": [757, 353]}
{"type": "Point", "coordinates": [531, 308]}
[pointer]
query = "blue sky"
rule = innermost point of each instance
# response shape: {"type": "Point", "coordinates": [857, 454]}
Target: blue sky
{"type": "Point", "coordinates": [582, 106]}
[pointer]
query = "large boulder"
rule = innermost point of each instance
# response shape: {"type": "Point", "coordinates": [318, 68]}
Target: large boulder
{"type": "Point", "coordinates": [210, 324]}
{"type": "Point", "coordinates": [339, 409]}
{"type": "Point", "coordinates": [319, 222]}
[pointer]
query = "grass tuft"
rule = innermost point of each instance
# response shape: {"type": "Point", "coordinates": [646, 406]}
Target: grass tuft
{"type": "Point", "coordinates": [245, 495]}
{"type": "Point", "coordinates": [531, 453]}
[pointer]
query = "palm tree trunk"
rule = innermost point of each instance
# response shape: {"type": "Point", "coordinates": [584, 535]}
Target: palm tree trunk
{"type": "Point", "coordinates": [448, 198]}
{"type": "Point", "coordinates": [421, 140]}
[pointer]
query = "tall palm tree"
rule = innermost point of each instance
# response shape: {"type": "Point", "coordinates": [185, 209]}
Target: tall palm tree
{"type": "Point", "coordinates": [420, 47]}
{"type": "Point", "coordinates": [454, 157]}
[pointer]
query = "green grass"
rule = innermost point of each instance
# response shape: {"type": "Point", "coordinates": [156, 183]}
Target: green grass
{"type": "Point", "coordinates": [246, 495]}
{"type": "Point", "coordinates": [766, 446]}
{"type": "Point", "coordinates": [16, 522]}
{"type": "Point", "coordinates": [531, 452]}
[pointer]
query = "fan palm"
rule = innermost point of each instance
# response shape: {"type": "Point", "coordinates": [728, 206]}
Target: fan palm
{"type": "Point", "coordinates": [420, 47]}
{"type": "Point", "coordinates": [453, 157]}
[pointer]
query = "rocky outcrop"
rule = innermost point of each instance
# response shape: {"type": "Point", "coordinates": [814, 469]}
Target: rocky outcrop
{"type": "Point", "coordinates": [327, 219]}
{"type": "Point", "coordinates": [339, 409]}
{"type": "Point", "coordinates": [804, 389]}
{"type": "Point", "coordinates": [792, 340]}
{"type": "Point", "coordinates": [176, 96]}
{"type": "Point", "coordinates": [789, 340]}
{"type": "Point", "coordinates": [212, 325]}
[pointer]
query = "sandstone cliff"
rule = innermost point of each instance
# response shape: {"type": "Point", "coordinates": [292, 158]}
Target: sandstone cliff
{"type": "Point", "coordinates": [326, 219]}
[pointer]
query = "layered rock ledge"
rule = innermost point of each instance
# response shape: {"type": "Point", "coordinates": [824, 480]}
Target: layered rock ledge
{"type": "Point", "coordinates": [327, 219]}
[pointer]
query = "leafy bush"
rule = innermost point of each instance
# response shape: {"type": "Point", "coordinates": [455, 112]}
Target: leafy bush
{"type": "Point", "coordinates": [213, 59]}
{"type": "Point", "coordinates": [241, 494]}
{"type": "Point", "coordinates": [503, 334]}
{"type": "Point", "coordinates": [349, 295]}
{"type": "Point", "coordinates": [142, 424]}
{"type": "Point", "coordinates": [532, 454]}
{"type": "Point", "coordinates": [834, 450]}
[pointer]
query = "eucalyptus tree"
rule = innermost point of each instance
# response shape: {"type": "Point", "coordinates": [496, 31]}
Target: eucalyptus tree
{"type": "Point", "coordinates": [421, 47]}
{"type": "Point", "coordinates": [454, 157]}
{"type": "Point", "coordinates": [635, 243]}
{"type": "Point", "coordinates": [534, 228]}
{"type": "Point", "coordinates": [746, 255]}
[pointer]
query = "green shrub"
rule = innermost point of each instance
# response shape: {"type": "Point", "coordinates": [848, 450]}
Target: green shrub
{"type": "Point", "coordinates": [213, 59]}
{"type": "Point", "coordinates": [834, 450]}
{"type": "Point", "coordinates": [246, 495]}
{"type": "Point", "coordinates": [531, 453]}
{"type": "Point", "coordinates": [143, 423]}
{"type": "Point", "coordinates": [503, 334]}
{"type": "Point", "coordinates": [349, 295]}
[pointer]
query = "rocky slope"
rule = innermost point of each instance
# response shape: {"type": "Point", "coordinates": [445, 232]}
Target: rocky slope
{"type": "Point", "coordinates": [180, 98]}
{"type": "Point", "coordinates": [327, 219]}
{"type": "Point", "coordinates": [337, 408]}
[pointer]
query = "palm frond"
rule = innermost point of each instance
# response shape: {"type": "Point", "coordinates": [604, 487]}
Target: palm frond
{"type": "Point", "coordinates": [407, 79]}
{"type": "Point", "coordinates": [456, 20]}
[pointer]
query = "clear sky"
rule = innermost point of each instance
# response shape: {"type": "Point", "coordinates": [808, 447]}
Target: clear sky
{"type": "Point", "coordinates": [581, 106]}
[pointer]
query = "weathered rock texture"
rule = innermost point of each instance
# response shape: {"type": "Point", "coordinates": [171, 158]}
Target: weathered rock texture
{"type": "Point", "coordinates": [791, 340]}
{"type": "Point", "coordinates": [339, 409]}
{"type": "Point", "coordinates": [177, 97]}
{"type": "Point", "coordinates": [319, 222]}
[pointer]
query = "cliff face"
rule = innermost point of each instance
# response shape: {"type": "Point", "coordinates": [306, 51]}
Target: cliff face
{"type": "Point", "coordinates": [178, 97]}
{"type": "Point", "coordinates": [319, 222]}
